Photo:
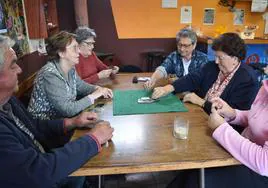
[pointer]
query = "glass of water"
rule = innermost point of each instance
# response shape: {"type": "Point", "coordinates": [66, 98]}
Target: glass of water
{"type": "Point", "coordinates": [181, 128]}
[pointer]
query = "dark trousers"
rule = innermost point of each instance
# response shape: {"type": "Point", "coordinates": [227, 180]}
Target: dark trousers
{"type": "Point", "coordinates": [221, 177]}
{"type": "Point", "coordinates": [72, 182]}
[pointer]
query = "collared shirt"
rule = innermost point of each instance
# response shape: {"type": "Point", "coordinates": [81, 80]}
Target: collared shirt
{"type": "Point", "coordinates": [173, 64]}
{"type": "Point", "coordinates": [186, 65]}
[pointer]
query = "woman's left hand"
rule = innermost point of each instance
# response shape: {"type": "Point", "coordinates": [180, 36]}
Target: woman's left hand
{"type": "Point", "coordinates": [215, 120]}
{"type": "Point", "coordinates": [162, 91]}
{"type": "Point", "coordinates": [193, 98]}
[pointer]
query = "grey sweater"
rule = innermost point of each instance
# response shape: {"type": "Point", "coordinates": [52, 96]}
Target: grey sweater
{"type": "Point", "coordinates": [55, 96]}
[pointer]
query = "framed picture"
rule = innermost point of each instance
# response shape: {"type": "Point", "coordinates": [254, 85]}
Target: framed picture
{"type": "Point", "coordinates": [239, 16]}
{"type": "Point", "coordinates": [209, 16]}
{"type": "Point", "coordinates": [186, 15]}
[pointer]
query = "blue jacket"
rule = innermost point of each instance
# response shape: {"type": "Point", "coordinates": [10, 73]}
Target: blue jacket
{"type": "Point", "coordinates": [21, 162]}
{"type": "Point", "coordinates": [239, 93]}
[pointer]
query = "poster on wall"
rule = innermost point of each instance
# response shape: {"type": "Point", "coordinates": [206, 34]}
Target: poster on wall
{"type": "Point", "coordinates": [169, 3]}
{"type": "Point", "coordinates": [186, 14]}
{"type": "Point", "coordinates": [15, 25]}
{"type": "Point", "coordinates": [209, 16]}
{"type": "Point", "coordinates": [265, 17]}
{"type": "Point", "coordinates": [239, 16]}
{"type": "Point", "coordinates": [259, 5]}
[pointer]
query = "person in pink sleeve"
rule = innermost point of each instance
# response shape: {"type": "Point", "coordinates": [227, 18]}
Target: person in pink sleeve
{"type": "Point", "coordinates": [250, 147]}
{"type": "Point", "coordinates": [90, 67]}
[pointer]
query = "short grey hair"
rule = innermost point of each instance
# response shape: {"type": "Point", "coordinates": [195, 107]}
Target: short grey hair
{"type": "Point", "coordinates": [187, 33]}
{"type": "Point", "coordinates": [83, 33]}
{"type": "Point", "coordinates": [5, 44]}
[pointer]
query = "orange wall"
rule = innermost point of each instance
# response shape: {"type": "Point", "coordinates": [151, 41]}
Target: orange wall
{"type": "Point", "coordinates": [146, 18]}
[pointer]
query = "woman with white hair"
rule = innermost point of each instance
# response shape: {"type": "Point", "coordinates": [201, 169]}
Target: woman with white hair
{"type": "Point", "coordinates": [90, 67]}
{"type": "Point", "coordinates": [182, 61]}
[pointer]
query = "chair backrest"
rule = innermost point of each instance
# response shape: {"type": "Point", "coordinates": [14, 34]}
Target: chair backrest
{"type": "Point", "coordinates": [112, 61]}
{"type": "Point", "coordinates": [30, 65]}
{"type": "Point", "coordinates": [130, 69]}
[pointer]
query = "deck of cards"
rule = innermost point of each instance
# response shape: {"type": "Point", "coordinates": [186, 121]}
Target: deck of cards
{"type": "Point", "coordinates": [146, 100]}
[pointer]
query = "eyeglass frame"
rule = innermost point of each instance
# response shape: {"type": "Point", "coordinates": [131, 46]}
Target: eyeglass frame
{"type": "Point", "coordinates": [89, 43]}
{"type": "Point", "coordinates": [186, 46]}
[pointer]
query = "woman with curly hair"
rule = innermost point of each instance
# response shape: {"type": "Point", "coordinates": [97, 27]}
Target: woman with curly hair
{"type": "Point", "coordinates": [227, 77]}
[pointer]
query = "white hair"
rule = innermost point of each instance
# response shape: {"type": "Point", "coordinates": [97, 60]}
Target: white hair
{"type": "Point", "coordinates": [83, 33]}
{"type": "Point", "coordinates": [5, 43]}
{"type": "Point", "coordinates": [187, 33]}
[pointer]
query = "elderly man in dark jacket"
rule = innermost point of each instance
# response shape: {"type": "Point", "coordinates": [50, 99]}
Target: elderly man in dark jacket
{"type": "Point", "coordinates": [31, 151]}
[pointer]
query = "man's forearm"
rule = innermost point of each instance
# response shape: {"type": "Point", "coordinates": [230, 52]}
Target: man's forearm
{"type": "Point", "coordinates": [157, 75]}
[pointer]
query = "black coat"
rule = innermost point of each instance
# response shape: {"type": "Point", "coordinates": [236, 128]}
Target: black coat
{"type": "Point", "coordinates": [22, 163]}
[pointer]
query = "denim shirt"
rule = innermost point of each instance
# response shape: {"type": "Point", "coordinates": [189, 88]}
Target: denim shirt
{"type": "Point", "coordinates": [173, 64]}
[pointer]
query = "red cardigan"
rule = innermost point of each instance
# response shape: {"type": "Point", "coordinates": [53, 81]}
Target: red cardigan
{"type": "Point", "coordinates": [88, 68]}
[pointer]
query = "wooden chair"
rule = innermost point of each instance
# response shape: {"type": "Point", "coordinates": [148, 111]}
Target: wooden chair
{"type": "Point", "coordinates": [30, 65]}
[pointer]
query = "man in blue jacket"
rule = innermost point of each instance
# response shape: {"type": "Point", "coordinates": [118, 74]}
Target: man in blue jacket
{"type": "Point", "coordinates": [31, 151]}
{"type": "Point", "coordinates": [186, 59]}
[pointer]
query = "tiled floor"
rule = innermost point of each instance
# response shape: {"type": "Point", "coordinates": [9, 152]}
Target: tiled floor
{"type": "Point", "coordinates": [140, 180]}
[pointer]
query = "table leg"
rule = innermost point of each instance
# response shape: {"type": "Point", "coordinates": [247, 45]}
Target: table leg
{"type": "Point", "coordinates": [202, 178]}
{"type": "Point", "coordinates": [99, 182]}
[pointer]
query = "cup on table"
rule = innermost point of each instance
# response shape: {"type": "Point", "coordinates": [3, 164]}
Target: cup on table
{"type": "Point", "coordinates": [181, 128]}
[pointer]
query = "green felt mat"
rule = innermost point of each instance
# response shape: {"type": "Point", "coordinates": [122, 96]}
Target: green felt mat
{"type": "Point", "coordinates": [125, 102]}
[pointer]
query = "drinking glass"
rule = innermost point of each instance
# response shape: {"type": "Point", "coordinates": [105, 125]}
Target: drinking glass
{"type": "Point", "coordinates": [181, 128]}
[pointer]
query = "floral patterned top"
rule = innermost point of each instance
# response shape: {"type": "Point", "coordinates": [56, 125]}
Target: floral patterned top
{"type": "Point", "coordinates": [173, 64]}
{"type": "Point", "coordinates": [219, 85]}
{"type": "Point", "coordinates": [55, 96]}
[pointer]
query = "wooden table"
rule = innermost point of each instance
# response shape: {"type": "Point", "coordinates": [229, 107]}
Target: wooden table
{"type": "Point", "coordinates": [144, 143]}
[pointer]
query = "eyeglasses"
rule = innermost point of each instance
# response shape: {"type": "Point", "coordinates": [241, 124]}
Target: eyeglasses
{"type": "Point", "coordinates": [73, 48]}
{"type": "Point", "coordinates": [184, 45]}
{"type": "Point", "coordinates": [89, 43]}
